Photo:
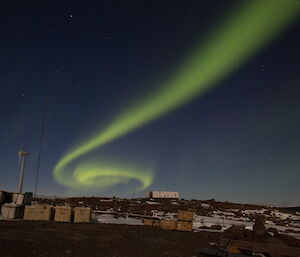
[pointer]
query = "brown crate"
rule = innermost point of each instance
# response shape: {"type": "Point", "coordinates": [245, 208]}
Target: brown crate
{"type": "Point", "coordinates": [63, 214]}
{"type": "Point", "coordinates": [168, 224]}
{"type": "Point", "coordinates": [82, 215]}
{"type": "Point", "coordinates": [184, 215]}
{"type": "Point", "coordinates": [37, 212]}
{"type": "Point", "coordinates": [185, 225]}
{"type": "Point", "coordinates": [148, 222]}
{"type": "Point", "coordinates": [156, 223]}
{"type": "Point", "coordinates": [29, 212]}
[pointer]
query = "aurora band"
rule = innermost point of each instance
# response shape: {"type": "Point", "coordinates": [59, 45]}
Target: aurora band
{"type": "Point", "coordinates": [242, 34]}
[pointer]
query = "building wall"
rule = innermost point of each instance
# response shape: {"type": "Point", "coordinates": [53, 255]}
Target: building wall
{"type": "Point", "coordinates": [164, 194]}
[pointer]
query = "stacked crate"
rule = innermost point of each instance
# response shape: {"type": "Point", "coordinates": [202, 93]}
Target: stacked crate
{"type": "Point", "coordinates": [156, 223]}
{"type": "Point", "coordinates": [22, 198]}
{"type": "Point", "coordinates": [185, 220]}
{"type": "Point", "coordinates": [168, 224]}
{"type": "Point", "coordinates": [148, 222]}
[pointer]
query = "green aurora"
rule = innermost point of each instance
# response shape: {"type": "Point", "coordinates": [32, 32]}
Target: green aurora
{"type": "Point", "coordinates": [242, 34]}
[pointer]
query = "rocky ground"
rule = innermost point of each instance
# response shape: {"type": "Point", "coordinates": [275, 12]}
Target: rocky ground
{"type": "Point", "coordinates": [232, 221]}
{"type": "Point", "coordinates": [20, 238]}
{"type": "Point", "coordinates": [49, 239]}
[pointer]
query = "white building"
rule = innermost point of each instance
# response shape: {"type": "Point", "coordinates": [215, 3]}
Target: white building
{"type": "Point", "coordinates": [163, 194]}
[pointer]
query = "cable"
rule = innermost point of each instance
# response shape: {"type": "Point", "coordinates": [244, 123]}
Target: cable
{"type": "Point", "coordinates": [40, 145]}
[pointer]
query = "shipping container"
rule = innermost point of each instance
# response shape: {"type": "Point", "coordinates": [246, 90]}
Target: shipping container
{"type": "Point", "coordinates": [82, 215]}
{"type": "Point", "coordinates": [185, 225]}
{"type": "Point", "coordinates": [169, 224]}
{"type": "Point", "coordinates": [184, 215]}
{"type": "Point", "coordinates": [163, 195]}
{"type": "Point", "coordinates": [63, 214]}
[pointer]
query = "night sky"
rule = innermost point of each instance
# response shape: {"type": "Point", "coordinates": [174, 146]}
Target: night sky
{"type": "Point", "coordinates": [239, 141]}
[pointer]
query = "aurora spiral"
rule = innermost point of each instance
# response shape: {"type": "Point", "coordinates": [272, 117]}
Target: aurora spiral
{"type": "Point", "coordinates": [246, 30]}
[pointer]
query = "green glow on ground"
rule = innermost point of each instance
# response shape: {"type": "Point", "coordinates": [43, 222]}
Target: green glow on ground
{"type": "Point", "coordinates": [239, 37]}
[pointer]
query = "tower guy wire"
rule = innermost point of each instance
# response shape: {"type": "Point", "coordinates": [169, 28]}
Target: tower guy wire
{"type": "Point", "coordinates": [43, 113]}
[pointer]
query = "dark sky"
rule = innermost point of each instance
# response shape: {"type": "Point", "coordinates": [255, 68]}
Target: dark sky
{"type": "Point", "coordinates": [238, 142]}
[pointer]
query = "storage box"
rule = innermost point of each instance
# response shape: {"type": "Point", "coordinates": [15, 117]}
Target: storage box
{"type": "Point", "coordinates": [82, 215]}
{"type": "Point", "coordinates": [11, 211]}
{"type": "Point", "coordinates": [185, 225]}
{"type": "Point", "coordinates": [156, 223]}
{"type": "Point", "coordinates": [168, 224]}
{"type": "Point", "coordinates": [63, 214]}
{"type": "Point", "coordinates": [22, 199]}
{"type": "Point", "coordinates": [184, 215]}
{"type": "Point", "coordinates": [148, 222]}
{"type": "Point", "coordinates": [29, 212]}
{"type": "Point", "coordinates": [38, 212]}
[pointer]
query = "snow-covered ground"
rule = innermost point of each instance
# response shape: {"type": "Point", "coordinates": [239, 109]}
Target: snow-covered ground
{"type": "Point", "coordinates": [110, 219]}
{"type": "Point", "coordinates": [149, 202]}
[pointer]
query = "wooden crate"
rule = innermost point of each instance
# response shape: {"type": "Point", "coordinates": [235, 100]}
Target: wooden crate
{"type": "Point", "coordinates": [10, 211]}
{"type": "Point", "coordinates": [156, 223]}
{"type": "Point", "coordinates": [63, 214]}
{"type": "Point", "coordinates": [82, 215]}
{"type": "Point", "coordinates": [185, 225]}
{"type": "Point", "coordinates": [29, 212]}
{"type": "Point", "coordinates": [184, 215]}
{"type": "Point", "coordinates": [38, 212]}
{"type": "Point", "coordinates": [148, 222]}
{"type": "Point", "coordinates": [168, 224]}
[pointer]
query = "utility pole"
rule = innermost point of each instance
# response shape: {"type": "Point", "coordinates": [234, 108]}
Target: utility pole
{"type": "Point", "coordinates": [22, 155]}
